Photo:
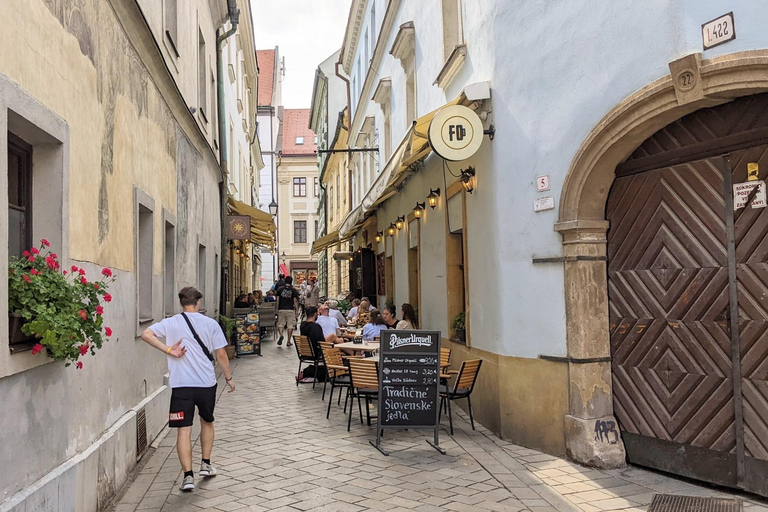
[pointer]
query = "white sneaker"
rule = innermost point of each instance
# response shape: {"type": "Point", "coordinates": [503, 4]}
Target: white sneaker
{"type": "Point", "coordinates": [207, 470]}
{"type": "Point", "coordinates": [188, 484]}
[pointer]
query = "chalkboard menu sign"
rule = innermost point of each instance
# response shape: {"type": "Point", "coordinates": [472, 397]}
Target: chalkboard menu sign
{"type": "Point", "coordinates": [409, 369]}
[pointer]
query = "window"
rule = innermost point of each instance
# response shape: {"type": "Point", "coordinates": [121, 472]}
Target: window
{"type": "Point", "coordinates": [452, 29]}
{"type": "Point", "coordinates": [169, 270]}
{"type": "Point", "coordinates": [19, 196]}
{"type": "Point", "coordinates": [315, 140]}
{"type": "Point", "coordinates": [299, 231]}
{"type": "Point", "coordinates": [172, 23]}
{"type": "Point", "coordinates": [144, 251]}
{"type": "Point", "coordinates": [317, 188]}
{"type": "Point", "coordinates": [330, 201]}
{"type": "Point", "coordinates": [373, 27]}
{"type": "Point", "coordinates": [317, 231]}
{"type": "Point", "coordinates": [410, 95]}
{"type": "Point", "coordinates": [299, 141]}
{"type": "Point", "coordinates": [365, 49]}
{"type": "Point", "coordinates": [214, 113]}
{"type": "Point", "coordinates": [201, 274]}
{"type": "Point", "coordinates": [338, 189]}
{"type": "Point", "coordinates": [299, 187]}
{"type": "Point", "coordinates": [202, 83]}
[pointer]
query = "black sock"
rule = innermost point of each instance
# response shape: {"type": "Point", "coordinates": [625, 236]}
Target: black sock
{"type": "Point", "coordinates": [206, 461]}
{"type": "Point", "coordinates": [189, 473]}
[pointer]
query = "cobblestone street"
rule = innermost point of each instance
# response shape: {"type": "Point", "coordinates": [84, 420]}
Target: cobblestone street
{"type": "Point", "coordinates": [276, 451]}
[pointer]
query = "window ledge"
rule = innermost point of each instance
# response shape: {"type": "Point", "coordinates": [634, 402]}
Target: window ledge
{"type": "Point", "coordinates": [452, 66]}
{"type": "Point", "coordinates": [145, 320]}
{"type": "Point", "coordinates": [169, 37]}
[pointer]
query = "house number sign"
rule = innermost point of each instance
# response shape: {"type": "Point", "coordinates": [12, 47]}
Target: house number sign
{"type": "Point", "coordinates": [718, 31]}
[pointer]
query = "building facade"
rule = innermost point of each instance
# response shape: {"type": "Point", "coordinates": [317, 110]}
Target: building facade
{"type": "Point", "coordinates": [587, 248]}
{"type": "Point", "coordinates": [327, 120]}
{"type": "Point", "coordinates": [298, 191]}
{"type": "Point", "coordinates": [113, 104]}
{"type": "Point", "coordinates": [269, 126]}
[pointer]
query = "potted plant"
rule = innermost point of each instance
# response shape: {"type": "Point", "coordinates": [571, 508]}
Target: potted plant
{"type": "Point", "coordinates": [60, 309]}
{"type": "Point", "coordinates": [344, 306]}
{"type": "Point", "coordinates": [459, 326]}
{"type": "Point", "coordinates": [229, 325]}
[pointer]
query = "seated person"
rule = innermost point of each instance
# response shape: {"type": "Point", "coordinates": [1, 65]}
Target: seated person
{"type": "Point", "coordinates": [331, 330]}
{"type": "Point", "coordinates": [333, 312]}
{"type": "Point", "coordinates": [410, 321]}
{"type": "Point", "coordinates": [390, 316]}
{"type": "Point", "coordinates": [363, 313]}
{"type": "Point", "coordinates": [353, 310]}
{"type": "Point", "coordinates": [374, 327]}
{"type": "Point", "coordinates": [312, 330]}
{"type": "Point", "coordinates": [242, 301]}
{"type": "Point", "coordinates": [270, 297]}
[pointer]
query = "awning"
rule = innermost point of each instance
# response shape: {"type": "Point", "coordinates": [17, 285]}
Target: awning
{"type": "Point", "coordinates": [352, 221]}
{"type": "Point", "coordinates": [380, 190]}
{"type": "Point", "coordinates": [324, 242]}
{"type": "Point", "coordinates": [262, 225]}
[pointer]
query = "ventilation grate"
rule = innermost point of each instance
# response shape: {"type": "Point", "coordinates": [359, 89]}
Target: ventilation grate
{"type": "Point", "coordinates": [672, 503]}
{"type": "Point", "coordinates": [141, 433]}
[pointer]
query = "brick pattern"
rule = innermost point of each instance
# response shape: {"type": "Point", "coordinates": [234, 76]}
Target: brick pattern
{"type": "Point", "coordinates": [276, 451]}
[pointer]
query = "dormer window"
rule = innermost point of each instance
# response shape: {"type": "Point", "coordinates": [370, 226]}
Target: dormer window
{"type": "Point", "coordinates": [299, 141]}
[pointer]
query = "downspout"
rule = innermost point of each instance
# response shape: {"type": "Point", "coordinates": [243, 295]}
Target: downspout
{"type": "Point", "coordinates": [349, 109]}
{"type": "Point", "coordinates": [234, 18]}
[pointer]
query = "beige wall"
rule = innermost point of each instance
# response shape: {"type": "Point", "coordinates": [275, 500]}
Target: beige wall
{"type": "Point", "coordinates": [296, 208]}
{"type": "Point", "coordinates": [337, 167]}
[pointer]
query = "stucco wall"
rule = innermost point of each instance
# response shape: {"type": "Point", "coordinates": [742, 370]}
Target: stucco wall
{"type": "Point", "coordinates": [77, 62]}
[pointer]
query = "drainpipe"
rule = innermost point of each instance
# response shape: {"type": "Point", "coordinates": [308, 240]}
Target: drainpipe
{"type": "Point", "coordinates": [234, 18]}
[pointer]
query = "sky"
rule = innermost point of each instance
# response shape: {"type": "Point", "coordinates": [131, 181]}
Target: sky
{"type": "Point", "coordinates": [307, 32]}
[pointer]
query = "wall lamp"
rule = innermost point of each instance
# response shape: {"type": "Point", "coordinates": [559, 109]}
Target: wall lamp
{"type": "Point", "coordinates": [400, 222]}
{"type": "Point", "coordinates": [391, 230]}
{"type": "Point", "coordinates": [467, 179]}
{"type": "Point", "coordinates": [432, 197]}
{"type": "Point", "coordinates": [419, 210]}
{"type": "Point", "coordinates": [379, 236]}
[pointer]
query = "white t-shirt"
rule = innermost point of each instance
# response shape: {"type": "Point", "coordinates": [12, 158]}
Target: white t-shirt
{"type": "Point", "coordinates": [335, 313]}
{"type": "Point", "coordinates": [329, 325]}
{"type": "Point", "coordinates": [352, 313]}
{"type": "Point", "coordinates": [194, 370]}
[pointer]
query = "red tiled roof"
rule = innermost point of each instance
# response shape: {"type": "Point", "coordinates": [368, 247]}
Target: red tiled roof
{"type": "Point", "coordinates": [266, 60]}
{"type": "Point", "coordinates": [296, 124]}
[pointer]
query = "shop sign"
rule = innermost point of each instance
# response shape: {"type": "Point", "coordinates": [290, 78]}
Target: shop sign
{"type": "Point", "coordinates": [455, 133]}
{"type": "Point", "coordinates": [238, 227]}
{"type": "Point", "coordinates": [742, 192]}
{"type": "Point", "coordinates": [718, 31]}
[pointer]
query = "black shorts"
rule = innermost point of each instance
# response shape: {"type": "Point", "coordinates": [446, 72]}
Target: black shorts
{"type": "Point", "coordinates": [183, 402]}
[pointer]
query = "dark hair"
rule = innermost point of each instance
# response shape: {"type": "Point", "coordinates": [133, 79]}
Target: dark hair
{"type": "Point", "coordinates": [410, 314]}
{"type": "Point", "coordinates": [376, 318]}
{"type": "Point", "coordinates": [310, 311]}
{"type": "Point", "coordinates": [288, 280]}
{"type": "Point", "coordinates": [391, 309]}
{"type": "Point", "coordinates": [189, 296]}
{"type": "Point", "coordinates": [280, 276]}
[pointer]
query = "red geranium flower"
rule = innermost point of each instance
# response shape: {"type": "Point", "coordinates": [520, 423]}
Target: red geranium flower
{"type": "Point", "coordinates": [107, 297]}
{"type": "Point", "coordinates": [83, 280]}
{"type": "Point", "coordinates": [74, 268]}
{"type": "Point", "coordinates": [34, 272]}
{"type": "Point", "coordinates": [26, 254]}
{"type": "Point", "coordinates": [26, 277]}
{"type": "Point", "coordinates": [65, 272]}
{"type": "Point", "coordinates": [81, 271]}
{"type": "Point", "coordinates": [31, 258]}
{"type": "Point", "coordinates": [37, 348]}
{"type": "Point", "coordinates": [96, 285]}
{"type": "Point", "coordinates": [54, 255]}
{"type": "Point", "coordinates": [45, 243]}
{"type": "Point", "coordinates": [82, 314]}
{"type": "Point", "coordinates": [108, 331]}
{"type": "Point", "coordinates": [84, 349]}
{"type": "Point", "coordinates": [34, 250]}
{"type": "Point", "coordinates": [79, 365]}
{"type": "Point", "coordinates": [106, 272]}
{"type": "Point", "coordinates": [99, 310]}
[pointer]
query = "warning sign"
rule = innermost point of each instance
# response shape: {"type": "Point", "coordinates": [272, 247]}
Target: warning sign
{"type": "Point", "coordinates": [742, 192]}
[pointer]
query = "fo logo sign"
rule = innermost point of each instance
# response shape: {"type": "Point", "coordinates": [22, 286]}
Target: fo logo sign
{"type": "Point", "coordinates": [455, 133]}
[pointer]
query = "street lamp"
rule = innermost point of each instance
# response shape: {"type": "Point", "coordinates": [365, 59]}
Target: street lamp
{"type": "Point", "coordinates": [379, 235]}
{"type": "Point", "coordinates": [432, 197]}
{"type": "Point", "coordinates": [391, 230]}
{"type": "Point", "coordinates": [419, 210]}
{"type": "Point", "coordinates": [283, 257]}
{"type": "Point", "coordinates": [273, 208]}
{"type": "Point", "coordinates": [400, 222]}
{"type": "Point", "coordinates": [467, 179]}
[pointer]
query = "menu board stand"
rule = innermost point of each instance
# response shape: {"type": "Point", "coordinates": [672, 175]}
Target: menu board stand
{"type": "Point", "coordinates": [247, 334]}
{"type": "Point", "coordinates": [409, 370]}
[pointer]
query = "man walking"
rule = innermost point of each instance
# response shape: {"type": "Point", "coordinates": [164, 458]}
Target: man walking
{"type": "Point", "coordinates": [190, 340]}
{"type": "Point", "coordinates": [287, 304]}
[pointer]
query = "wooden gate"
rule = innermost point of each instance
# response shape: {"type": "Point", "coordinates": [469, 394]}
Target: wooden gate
{"type": "Point", "coordinates": [688, 291]}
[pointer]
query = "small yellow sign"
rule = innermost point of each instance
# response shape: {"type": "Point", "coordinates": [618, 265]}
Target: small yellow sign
{"type": "Point", "coordinates": [753, 171]}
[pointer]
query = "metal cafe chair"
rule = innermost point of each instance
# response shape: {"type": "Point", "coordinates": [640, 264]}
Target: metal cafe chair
{"type": "Point", "coordinates": [338, 374]}
{"type": "Point", "coordinates": [462, 388]}
{"type": "Point", "coordinates": [307, 355]}
{"type": "Point", "coordinates": [364, 374]}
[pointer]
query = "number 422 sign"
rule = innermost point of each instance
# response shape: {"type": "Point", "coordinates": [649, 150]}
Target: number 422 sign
{"type": "Point", "coordinates": [718, 31]}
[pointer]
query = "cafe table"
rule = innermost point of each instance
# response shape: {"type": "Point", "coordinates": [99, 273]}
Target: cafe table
{"type": "Point", "coordinates": [358, 347]}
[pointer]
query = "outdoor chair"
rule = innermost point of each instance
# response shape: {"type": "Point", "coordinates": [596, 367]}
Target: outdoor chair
{"type": "Point", "coordinates": [267, 319]}
{"type": "Point", "coordinates": [306, 352]}
{"type": "Point", "coordinates": [338, 374]}
{"type": "Point", "coordinates": [462, 388]}
{"type": "Point", "coordinates": [364, 374]}
{"type": "Point", "coordinates": [445, 362]}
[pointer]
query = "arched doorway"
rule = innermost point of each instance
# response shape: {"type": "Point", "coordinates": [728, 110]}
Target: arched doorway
{"type": "Point", "coordinates": [584, 225]}
{"type": "Point", "coordinates": [688, 297]}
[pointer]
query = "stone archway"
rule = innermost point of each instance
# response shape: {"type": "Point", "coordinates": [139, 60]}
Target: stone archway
{"type": "Point", "coordinates": [592, 435]}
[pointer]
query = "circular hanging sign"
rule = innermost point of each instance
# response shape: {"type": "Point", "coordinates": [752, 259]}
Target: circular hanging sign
{"type": "Point", "coordinates": [455, 133]}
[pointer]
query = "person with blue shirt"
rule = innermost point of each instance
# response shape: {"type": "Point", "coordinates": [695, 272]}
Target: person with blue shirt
{"type": "Point", "coordinates": [374, 327]}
